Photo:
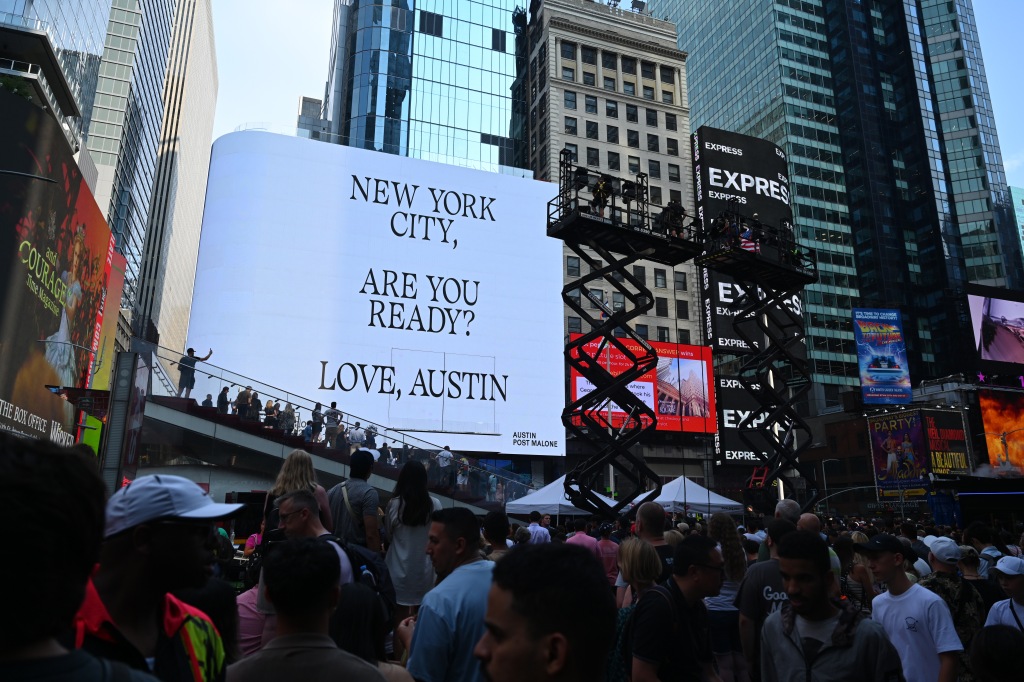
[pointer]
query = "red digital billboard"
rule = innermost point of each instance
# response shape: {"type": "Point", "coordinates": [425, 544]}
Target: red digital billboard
{"type": "Point", "coordinates": [55, 255]}
{"type": "Point", "coordinates": [678, 389]}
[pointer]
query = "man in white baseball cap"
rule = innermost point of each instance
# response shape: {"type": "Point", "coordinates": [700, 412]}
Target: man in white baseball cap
{"type": "Point", "coordinates": [1010, 571]}
{"type": "Point", "coordinates": [966, 605]}
{"type": "Point", "coordinates": [159, 537]}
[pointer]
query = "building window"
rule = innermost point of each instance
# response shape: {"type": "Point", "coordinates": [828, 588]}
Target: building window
{"type": "Point", "coordinates": [609, 60]}
{"type": "Point", "coordinates": [596, 295]}
{"type": "Point", "coordinates": [593, 157]}
{"type": "Point", "coordinates": [588, 78]}
{"type": "Point", "coordinates": [670, 121]}
{"type": "Point", "coordinates": [641, 331]}
{"type": "Point", "coordinates": [673, 173]}
{"type": "Point", "coordinates": [683, 309]}
{"type": "Point", "coordinates": [647, 70]}
{"type": "Point", "coordinates": [572, 266]}
{"type": "Point", "coordinates": [634, 164]}
{"type": "Point", "coordinates": [613, 134]}
{"type": "Point", "coordinates": [589, 55]}
{"type": "Point", "coordinates": [663, 334]}
{"type": "Point", "coordinates": [591, 130]}
{"type": "Point", "coordinates": [613, 161]}
{"type": "Point", "coordinates": [570, 125]}
{"type": "Point", "coordinates": [570, 99]}
{"type": "Point", "coordinates": [575, 295]}
{"type": "Point", "coordinates": [629, 88]}
{"type": "Point", "coordinates": [648, 92]}
{"type": "Point", "coordinates": [629, 65]}
{"type": "Point", "coordinates": [675, 195]}
{"type": "Point", "coordinates": [667, 74]}
{"type": "Point", "coordinates": [652, 117]}
{"type": "Point", "coordinates": [660, 306]}
{"type": "Point", "coordinates": [666, 96]}
{"type": "Point", "coordinates": [573, 150]}
{"type": "Point", "coordinates": [660, 278]}
{"type": "Point", "coordinates": [654, 169]}
{"type": "Point", "coordinates": [632, 116]}
{"type": "Point", "coordinates": [575, 325]}
{"type": "Point", "coordinates": [640, 272]}
{"type": "Point", "coordinates": [611, 108]}
{"type": "Point", "coordinates": [498, 38]}
{"type": "Point", "coordinates": [432, 24]}
{"type": "Point", "coordinates": [609, 83]}
{"type": "Point", "coordinates": [680, 280]}
{"type": "Point", "coordinates": [568, 73]}
{"type": "Point", "coordinates": [568, 50]}
{"type": "Point", "coordinates": [618, 301]}
{"type": "Point", "coordinates": [652, 143]}
{"type": "Point", "coordinates": [590, 104]}
{"type": "Point", "coordinates": [633, 139]}
{"type": "Point", "coordinates": [683, 336]}
{"type": "Point", "coordinates": [672, 146]}
{"type": "Point", "coordinates": [656, 196]}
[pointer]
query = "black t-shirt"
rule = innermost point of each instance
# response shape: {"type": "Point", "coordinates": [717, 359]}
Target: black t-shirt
{"type": "Point", "coordinates": [672, 635]}
{"type": "Point", "coordinates": [76, 666]}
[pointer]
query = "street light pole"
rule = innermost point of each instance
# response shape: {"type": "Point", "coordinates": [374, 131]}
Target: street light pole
{"type": "Point", "coordinates": [824, 480]}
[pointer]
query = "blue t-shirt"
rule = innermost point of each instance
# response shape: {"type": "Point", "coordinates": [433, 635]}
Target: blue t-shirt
{"type": "Point", "coordinates": [449, 624]}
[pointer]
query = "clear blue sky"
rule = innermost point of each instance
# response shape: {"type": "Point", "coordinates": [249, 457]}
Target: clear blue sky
{"type": "Point", "coordinates": [270, 54]}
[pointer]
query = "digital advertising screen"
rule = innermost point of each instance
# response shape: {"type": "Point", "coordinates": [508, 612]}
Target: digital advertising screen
{"type": "Point", "coordinates": [882, 355]}
{"type": "Point", "coordinates": [678, 389]}
{"type": "Point", "coordinates": [736, 173]}
{"type": "Point", "coordinates": [899, 453]}
{"type": "Point", "coordinates": [948, 453]}
{"type": "Point", "coordinates": [997, 319]}
{"type": "Point", "coordinates": [55, 250]}
{"type": "Point", "coordinates": [420, 296]}
{"type": "Point", "coordinates": [1002, 414]}
{"type": "Point", "coordinates": [735, 403]}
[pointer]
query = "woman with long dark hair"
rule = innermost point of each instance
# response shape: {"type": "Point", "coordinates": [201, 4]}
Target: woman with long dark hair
{"type": "Point", "coordinates": [407, 521]}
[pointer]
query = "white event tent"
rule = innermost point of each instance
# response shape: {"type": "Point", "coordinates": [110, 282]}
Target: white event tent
{"type": "Point", "coordinates": [549, 500]}
{"type": "Point", "coordinates": [682, 492]}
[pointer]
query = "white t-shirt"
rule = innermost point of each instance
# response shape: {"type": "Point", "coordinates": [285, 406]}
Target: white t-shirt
{"type": "Point", "coordinates": [444, 458]}
{"type": "Point", "coordinates": [1002, 615]}
{"type": "Point", "coordinates": [920, 626]}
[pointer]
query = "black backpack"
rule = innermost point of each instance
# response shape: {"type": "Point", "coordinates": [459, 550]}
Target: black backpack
{"type": "Point", "coordinates": [369, 569]}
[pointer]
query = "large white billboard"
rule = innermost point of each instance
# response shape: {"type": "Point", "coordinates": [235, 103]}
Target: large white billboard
{"type": "Point", "coordinates": [421, 296]}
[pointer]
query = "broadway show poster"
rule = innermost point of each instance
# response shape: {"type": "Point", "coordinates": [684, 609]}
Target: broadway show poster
{"type": "Point", "coordinates": [899, 454]}
{"type": "Point", "coordinates": [55, 250]}
{"type": "Point", "coordinates": [882, 354]}
{"type": "Point", "coordinates": [1002, 413]}
{"type": "Point", "coordinates": [947, 442]}
{"type": "Point", "coordinates": [678, 389]}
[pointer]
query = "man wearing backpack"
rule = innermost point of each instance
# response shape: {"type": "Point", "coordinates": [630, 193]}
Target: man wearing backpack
{"type": "Point", "coordinates": [354, 505]}
{"type": "Point", "coordinates": [670, 624]}
{"type": "Point", "coordinates": [300, 518]}
{"type": "Point", "coordinates": [356, 437]}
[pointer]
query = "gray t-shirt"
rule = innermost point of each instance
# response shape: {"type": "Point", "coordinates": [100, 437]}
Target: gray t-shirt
{"type": "Point", "coordinates": [364, 500]}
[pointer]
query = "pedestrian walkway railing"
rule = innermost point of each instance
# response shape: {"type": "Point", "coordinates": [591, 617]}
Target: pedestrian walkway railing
{"type": "Point", "coordinates": [463, 475]}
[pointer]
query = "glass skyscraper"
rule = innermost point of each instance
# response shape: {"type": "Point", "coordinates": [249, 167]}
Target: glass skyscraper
{"type": "Point", "coordinates": [124, 128]}
{"type": "Point", "coordinates": [75, 30]}
{"type": "Point", "coordinates": [431, 80]}
{"type": "Point", "coordinates": [897, 179]}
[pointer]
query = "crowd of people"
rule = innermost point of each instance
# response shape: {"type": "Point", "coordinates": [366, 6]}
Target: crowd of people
{"type": "Point", "coordinates": [346, 587]}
